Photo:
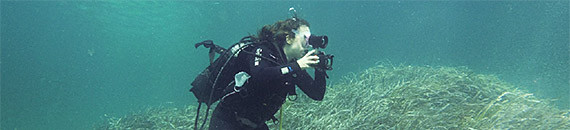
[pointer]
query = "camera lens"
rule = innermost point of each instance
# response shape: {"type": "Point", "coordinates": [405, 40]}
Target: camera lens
{"type": "Point", "coordinates": [318, 41]}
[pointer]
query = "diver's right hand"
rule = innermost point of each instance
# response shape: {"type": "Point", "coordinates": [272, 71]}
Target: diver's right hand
{"type": "Point", "coordinates": [309, 60]}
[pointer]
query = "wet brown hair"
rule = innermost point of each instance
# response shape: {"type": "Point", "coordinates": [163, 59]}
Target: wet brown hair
{"type": "Point", "coordinates": [277, 33]}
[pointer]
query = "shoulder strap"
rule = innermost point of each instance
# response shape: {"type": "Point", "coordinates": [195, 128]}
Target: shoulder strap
{"type": "Point", "coordinates": [263, 57]}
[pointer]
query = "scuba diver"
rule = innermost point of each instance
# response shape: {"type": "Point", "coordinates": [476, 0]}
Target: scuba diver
{"type": "Point", "coordinates": [259, 72]}
{"type": "Point", "coordinates": [270, 83]}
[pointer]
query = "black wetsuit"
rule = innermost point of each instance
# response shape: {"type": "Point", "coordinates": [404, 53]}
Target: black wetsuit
{"type": "Point", "coordinates": [265, 91]}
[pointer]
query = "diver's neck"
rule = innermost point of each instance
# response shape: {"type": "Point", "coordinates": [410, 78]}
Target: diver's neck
{"type": "Point", "coordinates": [282, 52]}
{"type": "Point", "coordinates": [287, 54]}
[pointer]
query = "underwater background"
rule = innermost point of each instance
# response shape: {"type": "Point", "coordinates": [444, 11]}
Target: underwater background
{"type": "Point", "coordinates": [70, 65]}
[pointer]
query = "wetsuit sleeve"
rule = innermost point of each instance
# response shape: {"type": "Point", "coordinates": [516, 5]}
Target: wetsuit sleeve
{"type": "Point", "coordinates": [264, 70]}
{"type": "Point", "coordinates": [316, 88]}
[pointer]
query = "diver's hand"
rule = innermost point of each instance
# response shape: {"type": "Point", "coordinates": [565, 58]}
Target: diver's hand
{"type": "Point", "coordinates": [308, 60]}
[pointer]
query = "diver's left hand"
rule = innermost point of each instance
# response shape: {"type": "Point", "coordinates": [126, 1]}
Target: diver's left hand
{"type": "Point", "coordinates": [309, 60]}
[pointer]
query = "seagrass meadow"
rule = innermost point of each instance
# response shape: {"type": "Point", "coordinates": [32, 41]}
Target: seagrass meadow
{"type": "Point", "coordinates": [393, 97]}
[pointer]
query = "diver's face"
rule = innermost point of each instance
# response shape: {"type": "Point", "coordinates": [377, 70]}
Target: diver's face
{"type": "Point", "coordinates": [296, 46]}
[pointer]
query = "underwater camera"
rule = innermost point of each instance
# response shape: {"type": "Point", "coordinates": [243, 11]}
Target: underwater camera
{"type": "Point", "coordinates": [325, 60]}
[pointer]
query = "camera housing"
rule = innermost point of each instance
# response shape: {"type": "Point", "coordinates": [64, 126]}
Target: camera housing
{"type": "Point", "coordinates": [325, 60]}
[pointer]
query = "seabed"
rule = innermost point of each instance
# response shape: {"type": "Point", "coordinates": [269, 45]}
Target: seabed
{"type": "Point", "coordinates": [393, 97]}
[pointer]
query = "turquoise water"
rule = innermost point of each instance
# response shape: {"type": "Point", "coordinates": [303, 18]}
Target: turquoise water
{"type": "Point", "coordinates": [68, 65]}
